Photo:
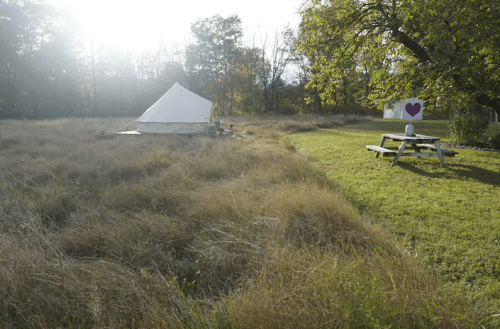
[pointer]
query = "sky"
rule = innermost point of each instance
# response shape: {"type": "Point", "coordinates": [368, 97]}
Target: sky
{"type": "Point", "coordinates": [136, 25]}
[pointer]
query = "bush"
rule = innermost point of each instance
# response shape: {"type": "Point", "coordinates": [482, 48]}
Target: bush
{"type": "Point", "coordinates": [468, 125]}
{"type": "Point", "coordinates": [495, 141]}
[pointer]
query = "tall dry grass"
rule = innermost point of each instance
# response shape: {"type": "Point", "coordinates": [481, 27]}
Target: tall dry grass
{"type": "Point", "coordinates": [99, 230]}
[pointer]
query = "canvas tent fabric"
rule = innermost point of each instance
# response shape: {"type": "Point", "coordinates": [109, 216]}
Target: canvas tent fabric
{"type": "Point", "coordinates": [178, 111]}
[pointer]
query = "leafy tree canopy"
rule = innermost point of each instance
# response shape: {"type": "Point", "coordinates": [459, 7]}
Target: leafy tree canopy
{"type": "Point", "coordinates": [440, 48]}
{"type": "Point", "coordinates": [217, 41]}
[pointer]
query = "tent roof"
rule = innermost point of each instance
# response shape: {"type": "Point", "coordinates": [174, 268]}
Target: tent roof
{"type": "Point", "coordinates": [178, 105]}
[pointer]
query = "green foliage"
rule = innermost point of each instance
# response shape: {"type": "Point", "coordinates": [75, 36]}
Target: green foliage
{"type": "Point", "coordinates": [467, 126]}
{"type": "Point", "coordinates": [432, 49]}
{"type": "Point", "coordinates": [211, 62]}
{"type": "Point", "coordinates": [39, 64]}
{"type": "Point", "coordinates": [495, 141]}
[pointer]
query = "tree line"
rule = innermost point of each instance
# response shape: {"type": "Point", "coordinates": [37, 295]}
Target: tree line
{"type": "Point", "coordinates": [346, 55]}
{"type": "Point", "coordinates": [46, 70]}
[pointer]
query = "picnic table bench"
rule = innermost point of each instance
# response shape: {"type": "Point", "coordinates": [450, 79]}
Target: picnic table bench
{"type": "Point", "coordinates": [418, 143]}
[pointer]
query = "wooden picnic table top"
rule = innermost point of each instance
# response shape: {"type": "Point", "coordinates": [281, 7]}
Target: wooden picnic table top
{"type": "Point", "coordinates": [416, 138]}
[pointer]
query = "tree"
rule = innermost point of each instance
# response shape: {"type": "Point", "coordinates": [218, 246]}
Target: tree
{"type": "Point", "coordinates": [116, 84]}
{"type": "Point", "coordinates": [212, 60]}
{"type": "Point", "coordinates": [272, 68]}
{"type": "Point", "coordinates": [443, 49]}
{"type": "Point", "coordinates": [56, 78]}
{"type": "Point", "coordinates": [38, 61]}
{"type": "Point", "coordinates": [249, 95]}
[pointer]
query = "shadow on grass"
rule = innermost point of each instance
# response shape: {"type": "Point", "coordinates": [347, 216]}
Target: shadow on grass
{"type": "Point", "coordinates": [476, 173]}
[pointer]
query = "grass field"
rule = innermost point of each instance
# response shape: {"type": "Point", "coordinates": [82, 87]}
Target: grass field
{"type": "Point", "coordinates": [99, 230]}
{"type": "Point", "coordinates": [448, 216]}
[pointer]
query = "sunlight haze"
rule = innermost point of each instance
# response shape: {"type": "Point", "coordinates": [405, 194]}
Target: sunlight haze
{"type": "Point", "coordinates": [136, 25]}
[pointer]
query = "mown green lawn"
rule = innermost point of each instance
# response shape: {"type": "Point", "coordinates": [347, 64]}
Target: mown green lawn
{"type": "Point", "coordinates": [450, 216]}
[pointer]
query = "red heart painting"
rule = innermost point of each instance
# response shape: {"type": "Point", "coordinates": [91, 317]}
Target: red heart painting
{"type": "Point", "coordinates": [412, 109]}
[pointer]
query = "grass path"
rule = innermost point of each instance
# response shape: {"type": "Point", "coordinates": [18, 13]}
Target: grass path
{"type": "Point", "coordinates": [450, 216]}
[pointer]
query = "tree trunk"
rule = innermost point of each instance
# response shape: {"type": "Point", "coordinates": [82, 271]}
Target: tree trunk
{"type": "Point", "coordinates": [94, 83]}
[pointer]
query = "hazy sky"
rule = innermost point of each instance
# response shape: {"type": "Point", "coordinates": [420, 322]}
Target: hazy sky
{"type": "Point", "coordinates": [133, 25]}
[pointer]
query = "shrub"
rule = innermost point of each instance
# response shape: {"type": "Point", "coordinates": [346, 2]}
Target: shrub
{"type": "Point", "coordinates": [468, 125]}
{"type": "Point", "coordinates": [495, 141]}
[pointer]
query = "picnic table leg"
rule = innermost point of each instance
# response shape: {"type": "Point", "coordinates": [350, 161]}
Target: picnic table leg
{"type": "Point", "coordinates": [440, 154]}
{"type": "Point", "coordinates": [381, 145]}
{"type": "Point", "coordinates": [416, 148]}
{"type": "Point", "coordinates": [401, 149]}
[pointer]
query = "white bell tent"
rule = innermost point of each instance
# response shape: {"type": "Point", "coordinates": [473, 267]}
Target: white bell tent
{"type": "Point", "coordinates": [179, 111]}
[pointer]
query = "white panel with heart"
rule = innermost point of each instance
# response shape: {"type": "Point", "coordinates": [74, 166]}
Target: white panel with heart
{"type": "Point", "coordinates": [413, 109]}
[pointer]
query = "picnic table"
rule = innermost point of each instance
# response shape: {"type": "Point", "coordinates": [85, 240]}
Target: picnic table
{"type": "Point", "coordinates": [418, 143]}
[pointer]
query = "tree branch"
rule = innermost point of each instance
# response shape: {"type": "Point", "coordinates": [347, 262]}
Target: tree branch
{"type": "Point", "coordinates": [418, 51]}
